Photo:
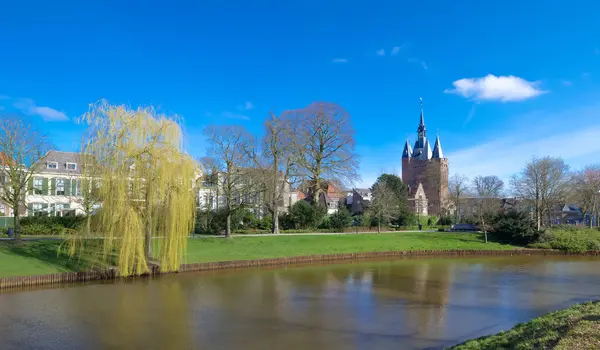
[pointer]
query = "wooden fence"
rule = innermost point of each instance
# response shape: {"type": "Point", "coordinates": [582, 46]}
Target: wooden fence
{"type": "Point", "coordinates": [19, 282]}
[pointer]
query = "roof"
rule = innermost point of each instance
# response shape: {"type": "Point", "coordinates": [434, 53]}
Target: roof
{"type": "Point", "coordinates": [363, 191]}
{"type": "Point", "coordinates": [437, 149]}
{"type": "Point", "coordinates": [407, 153]}
{"type": "Point", "coordinates": [61, 158]}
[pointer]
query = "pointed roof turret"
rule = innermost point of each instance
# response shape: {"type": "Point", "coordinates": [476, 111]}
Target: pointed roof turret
{"type": "Point", "coordinates": [427, 151]}
{"type": "Point", "coordinates": [437, 149]}
{"type": "Point", "coordinates": [407, 153]}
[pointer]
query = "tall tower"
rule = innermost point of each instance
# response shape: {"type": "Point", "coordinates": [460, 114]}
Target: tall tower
{"type": "Point", "coordinates": [422, 165]}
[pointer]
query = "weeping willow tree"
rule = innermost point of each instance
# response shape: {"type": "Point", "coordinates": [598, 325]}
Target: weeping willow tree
{"type": "Point", "coordinates": [145, 182]}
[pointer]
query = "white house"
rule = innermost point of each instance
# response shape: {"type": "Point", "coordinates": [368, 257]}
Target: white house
{"type": "Point", "coordinates": [55, 186]}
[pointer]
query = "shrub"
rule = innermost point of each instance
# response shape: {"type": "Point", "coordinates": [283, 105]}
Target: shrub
{"type": "Point", "coordinates": [72, 222]}
{"type": "Point", "coordinates": [514, 227]}
{"type": "Point", "coordinates": [305, 216]}
{"type": "Point", "coordinates": [340, 220]}
{"type": "Point", "coordinates": [445, 220]}
{"type": "Point", "coordinates": [570, 238]}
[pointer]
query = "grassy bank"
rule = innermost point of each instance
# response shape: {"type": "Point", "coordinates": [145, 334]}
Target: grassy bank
{"type": "Point", "coordinates": [242, 248]}
{"type": "Point", "coordinates": [34, 258]}
{"type": "Point", "coordinates": [577, 327]}
{"type": "Point", "coordinates": [41, 257]}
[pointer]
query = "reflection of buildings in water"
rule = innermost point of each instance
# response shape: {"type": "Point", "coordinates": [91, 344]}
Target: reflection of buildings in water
{"type": "Point", "coordinates": [423, 287]}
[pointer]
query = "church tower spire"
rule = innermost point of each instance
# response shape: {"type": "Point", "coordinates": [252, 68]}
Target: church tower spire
{"type": "Point", "coordinates": [422, 130]}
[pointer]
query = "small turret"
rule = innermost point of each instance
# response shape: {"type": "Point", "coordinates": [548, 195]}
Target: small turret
{"type": "Point", "coordinates": [426, 151]}
{"type": "Point", "coordinates": [437, 149]}
{"type": "Point", "coordinates": [407, 153]}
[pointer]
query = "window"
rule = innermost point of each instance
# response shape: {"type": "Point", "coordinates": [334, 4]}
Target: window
{"type": "Point", "coordinates": [52, 165]}
{"type": "Point", "coordinates": [71, 166]}
{"type": "Point", "coordinates": [60, 187]}
{"type": "Point", "coordinates": [37, 185]}
{"type": "Point", "coordinates": [37, 209]}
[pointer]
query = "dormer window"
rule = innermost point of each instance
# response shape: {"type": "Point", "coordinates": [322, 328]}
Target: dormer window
{"type": "Point", "coordinates": [71, 166]}
{"type": "Point", "coordinates": [52, 165]}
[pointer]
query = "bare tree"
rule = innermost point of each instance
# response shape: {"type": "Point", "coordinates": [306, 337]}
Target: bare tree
{"type": "Point", "coordinates": [228, 148]}
{"type": "Point", "coordinates": [543, 183]}
{"type": "Point", "coordinates": [586, 190]}
{"type": "Point", "coordinates": [22, 149]}
{"type": "Point", "coordinates": [385, 203]}
{"type": "Point", "coordinates": [323, 141]}
{"type": "Point", "coordinates": [488, 190]}
{"type": "Point", "coordinates": [458, 186]}
{"type": "Point", "coordinates": [276, 163]}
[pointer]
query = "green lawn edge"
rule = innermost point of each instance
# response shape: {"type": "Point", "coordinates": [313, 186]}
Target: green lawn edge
{"type": "Point", "coordinates": [577, 327]}
{"type": "Point", "coordinates": [42, 257]}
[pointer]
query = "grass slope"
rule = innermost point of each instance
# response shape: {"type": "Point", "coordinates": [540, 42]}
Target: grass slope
{"type": "Point", "coordinates": [32, 258]}
{"type": "Point", "coordinates": [243, 248]}
{"type": "Point", "coordinates": [577, 327]}
{"type": "Point", "coordinates": [41, 257]}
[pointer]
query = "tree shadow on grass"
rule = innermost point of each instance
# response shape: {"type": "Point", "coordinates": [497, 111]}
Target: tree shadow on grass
{"type": "Point", "coordinates": [50, 253]}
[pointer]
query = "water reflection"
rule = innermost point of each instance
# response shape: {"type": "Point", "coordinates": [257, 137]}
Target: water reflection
{"type": "Point", "coordinates": [402, 304]}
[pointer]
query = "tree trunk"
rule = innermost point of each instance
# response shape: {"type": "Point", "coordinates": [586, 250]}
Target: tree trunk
{"type": "Point", "coordinates": [379, 226]}
{"type": "Point", "coordinates": [148, 243]}
{"type": "Point", "coordinates": [228, 225]}
{"type": "Point", "coordinates": [88, 224]}
{"type": "Point", "coordinates": [275, 220]}
{"type": "Point", "coordinates": [16, 224]}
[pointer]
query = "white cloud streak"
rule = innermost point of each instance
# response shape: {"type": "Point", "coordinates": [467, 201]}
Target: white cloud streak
{"type": "Point", "coordinates": [395, 50]}
{"type": "Point", "coordinates": [339, 60]}
{"type": "Point", "coordinates": [231, 115]}
{"type": "Point", "coordinates": [29, 107]}
{"type": "Point", "coordinates": [492, 88]}
{"type": "Point", "coordinates": [380, 52]}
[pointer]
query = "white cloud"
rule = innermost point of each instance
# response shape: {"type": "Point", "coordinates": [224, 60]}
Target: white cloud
{"type": "Point", "coordinates": [29, 106]}
{"type": "Point", "coordinates": [395, 50]}
{"type": "Point", "coordinates": [503, 152]}
{"type": "Point", "coordinates": [545, 136]}
{"type": "Point", "coordinates": [339, 60]}
{"type": "Point", "coordinates": [231, 115]}
{"type": "Point", "coordinates": [246, 106]}
{"type": "Point", "coordinates": [566, 82]}
{"type": "Point", "coordinates": [493, 88]}
{"type": "Point", "coordinates": [424, 65]}
{"type": "Point", "coordinates": [380, 52]}
{"type": "Point", "coordinates": [596, 51]}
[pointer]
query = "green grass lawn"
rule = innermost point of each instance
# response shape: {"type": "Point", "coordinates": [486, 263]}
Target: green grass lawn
{"type": "Point", "coordinates": [242, 248]}
{"type": "Point", "coordinates": [41, 257]}
{"type": "Point", "coordinates": [32, 258]}
{"type": "Point", "coordinates": [577, 327]}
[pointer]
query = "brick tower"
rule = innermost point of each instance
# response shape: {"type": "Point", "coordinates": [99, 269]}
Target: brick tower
{"type": "Point", "coordinates": [422, 165]}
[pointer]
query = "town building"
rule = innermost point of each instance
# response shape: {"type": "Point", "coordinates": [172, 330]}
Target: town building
{"type": "Point", "coordinates": [249, 193]}
{"type": "Point", "coordinates": [425, 172]}
{"type": "Point", "coordinates": [55, 187]}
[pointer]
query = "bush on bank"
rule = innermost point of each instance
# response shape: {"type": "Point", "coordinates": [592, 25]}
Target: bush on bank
{"type": "Point", "coordinates": [48, 225]}
{"type": "Point", "coordinates": [569, 238]}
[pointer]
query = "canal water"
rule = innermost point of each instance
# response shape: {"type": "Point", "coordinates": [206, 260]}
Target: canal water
{"type": "Point", "coordinates": [401, 304]}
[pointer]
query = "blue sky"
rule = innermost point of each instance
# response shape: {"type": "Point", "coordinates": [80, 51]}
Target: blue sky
{"type": "Point", "coordinates": [501, 82]}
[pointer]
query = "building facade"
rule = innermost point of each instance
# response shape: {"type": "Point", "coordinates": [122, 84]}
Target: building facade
{"type": "Point", "coordinates": [55, 187]}
{"type": "Point", "coordinates": [426, 167]}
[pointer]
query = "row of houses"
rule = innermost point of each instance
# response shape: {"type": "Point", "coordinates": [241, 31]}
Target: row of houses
{"type": "Point", "coordinates": [55, 189]}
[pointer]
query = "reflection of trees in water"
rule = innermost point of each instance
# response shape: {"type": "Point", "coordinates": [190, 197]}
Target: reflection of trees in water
{"type": "Point", "coordinates": [136, 315]}
{"type": "Point", "coordinates": [421, 286]}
